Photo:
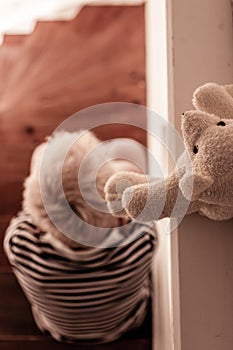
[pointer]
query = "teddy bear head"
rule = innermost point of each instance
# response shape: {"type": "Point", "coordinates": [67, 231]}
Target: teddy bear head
{"type": "Point", "coordinates": [209, 142]}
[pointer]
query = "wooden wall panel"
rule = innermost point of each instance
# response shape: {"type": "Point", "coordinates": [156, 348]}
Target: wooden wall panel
{"type": "Point", "coordinates": [138, 344]}
{"type": "Point", "coordinates": [18, 330]}
{"type": "Point", "coordinates": [61, 68]}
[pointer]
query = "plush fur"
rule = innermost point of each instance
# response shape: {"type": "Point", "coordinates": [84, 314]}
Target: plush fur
{"type": "Point", "coordinates": [208, 137]}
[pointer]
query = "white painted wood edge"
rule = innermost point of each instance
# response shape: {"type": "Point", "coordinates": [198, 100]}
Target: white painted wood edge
{"type": "Point", "coordinates": [160, 98]}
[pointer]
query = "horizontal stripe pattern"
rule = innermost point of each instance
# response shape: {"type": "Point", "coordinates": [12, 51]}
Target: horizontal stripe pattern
{"type": "Point", "coordinates": [82, 293]}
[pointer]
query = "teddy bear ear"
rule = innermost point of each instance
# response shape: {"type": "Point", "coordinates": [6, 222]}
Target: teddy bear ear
{"type": "Point", "coordinates": [214, 99]}
{"type": "Point", "coordinates": [193, 124]}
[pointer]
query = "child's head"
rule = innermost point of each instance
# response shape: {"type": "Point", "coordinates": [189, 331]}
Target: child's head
{"type": "Point", "coordinates": [74, 166]}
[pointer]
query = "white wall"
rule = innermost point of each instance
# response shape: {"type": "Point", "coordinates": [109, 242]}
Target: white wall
{"type": "Point", "coordinates": [198, 40]}
{"type": "Point", "coordinates": [203, 51]}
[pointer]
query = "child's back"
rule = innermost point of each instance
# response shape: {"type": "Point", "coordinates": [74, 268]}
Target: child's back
{"type": "Point", "coordinates": [78, 292]}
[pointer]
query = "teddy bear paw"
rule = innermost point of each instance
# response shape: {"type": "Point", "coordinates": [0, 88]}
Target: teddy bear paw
{"type": "Point", "coordinates": [115, 187]}
{"type": "Point", "coordinates": [134, 200]}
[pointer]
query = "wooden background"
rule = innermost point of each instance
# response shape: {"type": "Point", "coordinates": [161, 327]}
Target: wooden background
{"type": "Point", "coordinates": [59, 69]}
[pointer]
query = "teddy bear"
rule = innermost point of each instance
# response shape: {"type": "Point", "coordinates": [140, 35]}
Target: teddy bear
{"type": "Point", "coordinates": [204, 184]}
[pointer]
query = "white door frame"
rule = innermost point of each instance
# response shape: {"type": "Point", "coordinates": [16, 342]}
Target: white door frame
{"type": "Point", "coordinates": [188, 43]}
{"type": "Point", "coordinates": [160, 98]}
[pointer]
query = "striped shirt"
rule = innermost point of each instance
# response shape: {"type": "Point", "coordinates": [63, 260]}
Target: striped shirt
{"type": "Point", "coordinates": [82, 293]}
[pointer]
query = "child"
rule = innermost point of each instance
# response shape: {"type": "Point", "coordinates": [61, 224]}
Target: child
{"type": "Point", "coordinates": [85, 272]}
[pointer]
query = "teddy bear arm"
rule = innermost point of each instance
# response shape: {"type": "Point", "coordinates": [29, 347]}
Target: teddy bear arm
{"type": "Point", "coordinates": [115, 187]}
{"type": "Point", "coordinates": [216, 212]}
{"type": "Point", "coordinates": [194, 207]}
{"type": "Point", "coordinates": [153, 201]}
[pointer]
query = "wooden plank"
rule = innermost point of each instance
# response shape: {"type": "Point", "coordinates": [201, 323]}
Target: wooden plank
{"type": "Point", "coordinates": [4, 222]}
{"type": "Point", "coordinates": [112, 54]}
{"type": "Point", "coordinates": [101, 59]}
{"type": "Point", "coordinates": [15, 313]}
{"type": "Point", "coordinates": [17, 325]}
{"type": "Point", "coordinates": [11, 195]}
{"type": "Point", "coordinates": [136, 344]}
{"type": "Point", "coordinates": [16, 318]}
{"type": "Point", "coordinates": [9, 53]}
{"type": "Point", "coordinates": [61, 68]}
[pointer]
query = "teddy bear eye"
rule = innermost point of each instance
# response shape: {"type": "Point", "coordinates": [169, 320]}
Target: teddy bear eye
{"type": "Point", "coordinates": [221, 123]}
{"type": "Point", "coordinates": [195, 149]}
